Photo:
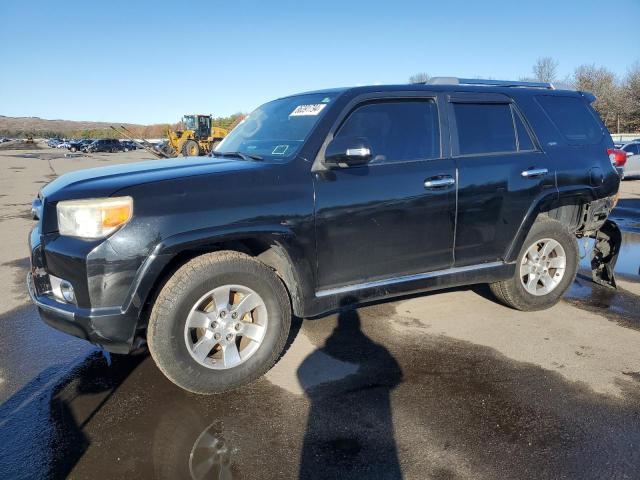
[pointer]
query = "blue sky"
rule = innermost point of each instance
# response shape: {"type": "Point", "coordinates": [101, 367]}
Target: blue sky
{"type": "Point", "coordinates": [152, 61]}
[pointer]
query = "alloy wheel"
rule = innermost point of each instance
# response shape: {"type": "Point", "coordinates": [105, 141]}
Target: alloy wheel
{"type": "Point", "coordinates": [226, 326]}
{"type": "Point", "coordinates": [543, 266]}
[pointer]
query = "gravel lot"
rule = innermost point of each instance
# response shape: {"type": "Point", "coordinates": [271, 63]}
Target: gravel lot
{"type": "Point", "coordinates": [446, 385]}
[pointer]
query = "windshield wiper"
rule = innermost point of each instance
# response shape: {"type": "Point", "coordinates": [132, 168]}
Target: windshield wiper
{"type": "Point", "coordinates": [242, 155]}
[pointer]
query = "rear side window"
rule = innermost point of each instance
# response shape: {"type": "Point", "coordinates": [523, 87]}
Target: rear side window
{"type": "Point", "coordinates": [397, 131]}
{"type": "Point", "coordinates": [573, 117]}
{"type": "Point", "coordinates": [484, 128]}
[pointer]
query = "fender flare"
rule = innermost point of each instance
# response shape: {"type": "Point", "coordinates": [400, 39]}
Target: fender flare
{"type": "Point", "coordinates": [288, 264]}
{"type": "Point", "coordinates": [547, 200]}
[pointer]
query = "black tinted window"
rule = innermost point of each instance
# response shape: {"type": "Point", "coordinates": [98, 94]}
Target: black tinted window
{"type": "Point", "coordinates": [396, 131]}
{"type": "Point", "coordinates": [524, 139]}
{"type": "Point", "coordinates": [573, 117]}
{"type": "Point", "coordinates": [633, 148]}
{"type": "Point", "coordinates": [484, 128]}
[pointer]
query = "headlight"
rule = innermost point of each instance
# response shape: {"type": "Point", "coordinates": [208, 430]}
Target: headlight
{"type": "Point", "coordinates": [94, 218]}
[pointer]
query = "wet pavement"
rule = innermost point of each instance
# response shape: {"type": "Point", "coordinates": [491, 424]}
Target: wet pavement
{"type": "Point", "coordinates": [445, 386]}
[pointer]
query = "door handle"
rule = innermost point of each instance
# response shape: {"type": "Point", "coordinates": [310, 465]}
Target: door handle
{"type": "Point", "coordinates": [534, 172]}
{"type": "Point", "coordinates": [431, 183]}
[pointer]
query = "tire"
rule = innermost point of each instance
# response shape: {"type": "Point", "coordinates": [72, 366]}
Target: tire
{"type": "Point", "coordinates": [515, 294]}
{"type": "Point", "coordinates": [172, 342]}
{"type": "Point", "coordinates": [191, 149]}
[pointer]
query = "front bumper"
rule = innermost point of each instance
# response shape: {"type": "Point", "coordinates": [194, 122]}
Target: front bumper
{"type": "Point", "coordinates": [111, 329]}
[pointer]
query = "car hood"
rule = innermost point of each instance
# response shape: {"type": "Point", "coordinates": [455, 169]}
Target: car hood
{"type": "Point", "coordinates": [105, 181]}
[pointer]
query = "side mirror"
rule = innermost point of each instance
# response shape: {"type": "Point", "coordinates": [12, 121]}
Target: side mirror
{"type": "Point", "coordinates": [347, 152]}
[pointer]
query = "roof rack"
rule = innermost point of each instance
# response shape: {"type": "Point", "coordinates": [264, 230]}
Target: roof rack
{"type": "Point", "coordinates": [492, 83]}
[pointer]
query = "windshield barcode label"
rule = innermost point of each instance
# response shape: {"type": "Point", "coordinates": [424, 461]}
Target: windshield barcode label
{"type": "Point", "coordinates": [302, 110]}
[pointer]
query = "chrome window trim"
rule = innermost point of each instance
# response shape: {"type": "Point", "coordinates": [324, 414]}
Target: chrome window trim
{"type": "Point", "coordinates": [404, 278]}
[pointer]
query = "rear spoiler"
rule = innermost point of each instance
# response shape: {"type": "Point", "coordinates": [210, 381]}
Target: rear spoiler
{"type": "Point", "coordinates": [588, 96]}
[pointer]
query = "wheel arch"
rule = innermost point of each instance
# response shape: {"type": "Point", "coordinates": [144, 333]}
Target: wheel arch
{"type": "Point", "coordinates": [567, 206]}
{"type": "Point", "coordinates": [274, 249]}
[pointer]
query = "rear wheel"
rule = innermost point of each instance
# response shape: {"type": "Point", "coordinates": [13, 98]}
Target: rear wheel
{"type": "Point", "coordinates": [221, 321]}
{"type": "Point", "coordinates": [191, 149]}
{"type": "Point", "coordinates": [545, 268]}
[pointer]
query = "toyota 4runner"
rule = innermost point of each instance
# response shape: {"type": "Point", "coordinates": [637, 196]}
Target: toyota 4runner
{"type": "Point", "coordinates": [319, 200]}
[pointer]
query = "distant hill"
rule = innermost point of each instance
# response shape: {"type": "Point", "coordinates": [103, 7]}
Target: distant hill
{"type": "Point", "coordinates": [40, 127]}
{"type": "Point", "coordinates": [21, 127]}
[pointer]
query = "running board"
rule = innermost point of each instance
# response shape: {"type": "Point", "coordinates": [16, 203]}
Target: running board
{"type": "Point", "coordinates": [405, 279]}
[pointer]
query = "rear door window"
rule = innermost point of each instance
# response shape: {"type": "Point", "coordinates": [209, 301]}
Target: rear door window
{"type": "Point", "coordinates": [573, 118]}
{"type": "Point", "coordinates": [484, 128]}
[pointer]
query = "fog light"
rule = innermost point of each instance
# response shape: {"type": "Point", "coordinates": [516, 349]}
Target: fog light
{"type": "Point", "coordinates": [67, 291]}
{"type": "Point", "coordinates": [62, 289]}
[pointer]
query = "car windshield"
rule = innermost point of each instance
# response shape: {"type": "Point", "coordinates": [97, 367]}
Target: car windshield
{"type": "Point", "coordinates": [276, 129]}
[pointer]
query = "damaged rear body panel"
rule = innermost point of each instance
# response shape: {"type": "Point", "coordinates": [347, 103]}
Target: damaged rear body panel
{"type": "Point", "coordinates": [608, 240]}
{"type": "Point", "coordinates": [605, 254]}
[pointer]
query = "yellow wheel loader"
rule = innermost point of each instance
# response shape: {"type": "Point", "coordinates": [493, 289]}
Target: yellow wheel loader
{"type": "Point", "coordinates": [199, 137]}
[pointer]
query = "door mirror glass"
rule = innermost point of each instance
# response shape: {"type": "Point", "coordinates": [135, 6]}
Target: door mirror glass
{"type": "Point", "coordinates": [347, 151]}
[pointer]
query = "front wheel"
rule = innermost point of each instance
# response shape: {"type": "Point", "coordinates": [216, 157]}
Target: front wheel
{"type": "Point", "coordinates": [191, 149]}
{"type": "Point", "coordinates": [221, 321]}
{"type": "Point", "coordinates": [545, 269]}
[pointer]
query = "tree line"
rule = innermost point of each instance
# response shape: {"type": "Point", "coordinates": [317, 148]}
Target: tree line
{"type": "Point", "coordinates": [617, 98]}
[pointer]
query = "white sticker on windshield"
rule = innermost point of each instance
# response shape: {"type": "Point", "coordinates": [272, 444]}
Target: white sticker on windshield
{"type": "Point", "coordinates": [302, 110]}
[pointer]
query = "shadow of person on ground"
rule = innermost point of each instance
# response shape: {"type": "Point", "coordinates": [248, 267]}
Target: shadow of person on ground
{"type": "Point", "coordinates": [350, 432]}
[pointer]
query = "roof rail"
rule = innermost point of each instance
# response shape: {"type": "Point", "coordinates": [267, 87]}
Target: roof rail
{"type": "Point", "coordinates": [492, 83]}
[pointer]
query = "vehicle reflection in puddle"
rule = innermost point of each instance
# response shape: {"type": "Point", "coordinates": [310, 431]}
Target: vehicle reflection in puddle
{"type": "Point", "coordinates": [211, 455]}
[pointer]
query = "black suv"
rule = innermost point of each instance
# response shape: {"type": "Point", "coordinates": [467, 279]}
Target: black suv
{"type": "Point", "coordinates": [105, 145]}
{"type": "Point", "coordinates": [319, 201]}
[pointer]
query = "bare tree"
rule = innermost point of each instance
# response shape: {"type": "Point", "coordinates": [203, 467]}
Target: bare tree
{"type": "Point", "coordinates": [422, 77]}
{"type": "Point", "coordinates": [545, 69]}
{"type": "Point", "coordinates": [631, 98]}
{"type": "Point", "coordinates": [605, 86]}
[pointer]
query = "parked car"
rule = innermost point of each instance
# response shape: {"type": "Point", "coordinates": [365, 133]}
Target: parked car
{"type": "Point", "coordinates": [79, 145]}
{"type": "Point", "coordinates": [128, 145]}
{"type": "Point", "coordinates": [63, 144]}
{"type": "Point", "coordinates": [103, 145]}
{"type": "Point", "coordinates": [53, 142]}
{"type": "Point", "coordinates": [4, 139]}
{"type": "Point", "coordinates": [321, 201]}
{"type": "Point", "coordinates": [631, 167]}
